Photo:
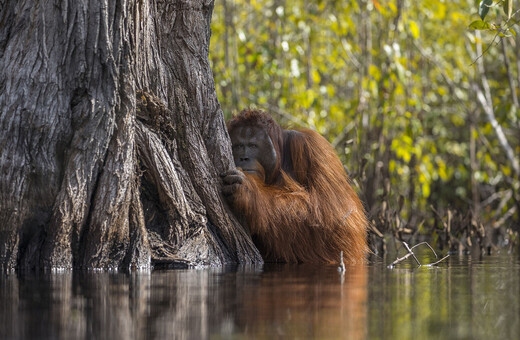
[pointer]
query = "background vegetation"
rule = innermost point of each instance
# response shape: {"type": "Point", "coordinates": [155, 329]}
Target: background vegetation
{"type": "Point", "coordinates": [422, 109]}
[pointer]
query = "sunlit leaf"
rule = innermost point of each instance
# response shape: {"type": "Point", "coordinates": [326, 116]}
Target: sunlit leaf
{"type": "Point", "coordinates": [392, 7]}
{"type": "Point", "coordinates": [426, 190]}
{"type": "Point", "coordinates": [376, 5]}
{"type": "Point", "coordinates": [505, 169]}
{"type": "Point", "coordinates": [391, 165]}
{"type": "Point", "coordinates": [374, 72]}
{"type": "Point", "coordinates": [480, 25]}
{"type": "Point", "coordinates": [316, 76]}
{"type": "Point", "coordinates": [414, 29]}
{"type": "Point", "coordinates": [408, 140]}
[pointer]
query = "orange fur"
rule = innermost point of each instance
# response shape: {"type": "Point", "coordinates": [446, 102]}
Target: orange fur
{"type": "Point", "coordinates": [307, 211]}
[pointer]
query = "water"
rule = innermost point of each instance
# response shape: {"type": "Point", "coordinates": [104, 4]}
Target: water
{"type": "Point", "coordinates": [462, 298]}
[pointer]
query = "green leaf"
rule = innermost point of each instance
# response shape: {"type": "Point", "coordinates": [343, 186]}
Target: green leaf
{"type": "Point", "coordinates": [483, 8]}
{"type": "Point", "coordinates": [480, 25]}
{"type": "Point", "coordinates": [504, 34]}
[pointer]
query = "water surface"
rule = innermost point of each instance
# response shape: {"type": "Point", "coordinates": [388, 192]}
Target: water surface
{"type": "Point", "coordinates": [462, 298]}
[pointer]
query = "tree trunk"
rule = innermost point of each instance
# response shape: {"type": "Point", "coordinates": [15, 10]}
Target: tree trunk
{"type": "Point", "coordinates": [112, 138]}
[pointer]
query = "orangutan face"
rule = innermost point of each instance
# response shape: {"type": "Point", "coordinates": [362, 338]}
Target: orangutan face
{"type": "Point", "coordinates": [253, 151]}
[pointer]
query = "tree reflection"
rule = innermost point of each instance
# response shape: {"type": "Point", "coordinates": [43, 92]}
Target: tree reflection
{"type": "Point", "coordinates": [280, 301]}
{"type": "Point", "coordinates": [474, 298]}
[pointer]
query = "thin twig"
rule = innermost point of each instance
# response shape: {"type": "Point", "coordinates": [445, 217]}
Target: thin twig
{"type": "Point", "coordinates": [341, 267]}
{"type": "Point", "coordinates": [487, 49]}
{"type": "Point", "coordinates": [411, 252]}
{"type": "Point", "coordinates": [400, 260]}
{"type": "Point", "coordinates": [435, 263]}
{"type": "Point", "coordinates": [434, 253]}
{"type": "Point", "coordinates": [499, 30]}
{"type": "Point", "coordinates": [436, 212]}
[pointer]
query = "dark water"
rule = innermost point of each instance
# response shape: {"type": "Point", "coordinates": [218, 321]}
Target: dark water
{"type": "Point", "coordinates": [463, 298]}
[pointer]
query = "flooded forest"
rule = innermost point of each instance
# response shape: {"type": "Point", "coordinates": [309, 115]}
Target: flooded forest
{"type": "Point", "coordinates": [116, 168]}
{"type": "Point", "coordinates": [419, 98]}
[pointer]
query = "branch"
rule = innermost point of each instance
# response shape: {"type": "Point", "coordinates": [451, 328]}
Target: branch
{"type": "Point", "coordinates": [487, 49]}
{"type": "Point", "coordinates": [499, 30]}
{"type": "Point", "coordinates": [486, 100]}
{"type": "Point", "coordinates": [510, 77]}
{"type": "Point", "coordinates": [339, 138]}
{"type": "Point", "coordinates": [503, 219]}
{"type": "Point", "coordinates": [496, 196]}
{"type": "Point", "coordinates": [410, 253]}
{"type": "Point", "coordinates": [488, 109]}
{"type": "Point", "coordinates": [419, 244]}
{"type": "Point", "coordinates": [435, 263]}
{"type": "Point", "coordinates": [400, 260]}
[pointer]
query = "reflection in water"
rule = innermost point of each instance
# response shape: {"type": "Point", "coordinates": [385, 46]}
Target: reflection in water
{"type": "Point", "coordinates": [310, 302]}
{"type": "Point", "coordinates": [461, 299]}
{"type": "Point", "coordinates": [277, 302]}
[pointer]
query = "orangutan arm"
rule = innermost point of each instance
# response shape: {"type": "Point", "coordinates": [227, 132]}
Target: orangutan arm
{"type": "Point", "coordinates": [277, 216]}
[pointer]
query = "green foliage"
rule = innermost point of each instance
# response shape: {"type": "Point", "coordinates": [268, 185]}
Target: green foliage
{"type": "Point", "coordinates": [483, 8]}
{"type": "Point", "coordinates": [503, 28]}
{"type": "Point", "coordinates": [480, 25]}
{"type": "Point", "coordinates": [390, 83]}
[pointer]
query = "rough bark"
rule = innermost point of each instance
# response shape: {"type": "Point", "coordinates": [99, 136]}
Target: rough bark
{"type": "Point", "coordinates": [112, 138]}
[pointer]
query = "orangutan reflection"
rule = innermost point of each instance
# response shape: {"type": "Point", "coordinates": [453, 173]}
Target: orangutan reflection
{"type": "Point", "coordinates": [310, 302]}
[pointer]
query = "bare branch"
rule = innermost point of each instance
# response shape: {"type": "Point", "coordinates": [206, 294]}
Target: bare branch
{"type": "Point", "coordinates": [400, 260]}
{"type": "Point", "coordinates": [435, 263]}
{"type": "Point", "coordinates": [419, 244]}
{"type": "Point", "coordinates": [486, 100]}
{"type": "Point", "coordinates": [488, 109]}
{"type": "Point", "coordinates": [510, 76]}
{"type": "Point", "coordinates": [411, 253]}
{"type": "Point", "coordinates": [503, 219]}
